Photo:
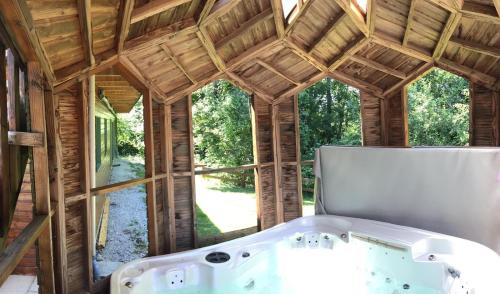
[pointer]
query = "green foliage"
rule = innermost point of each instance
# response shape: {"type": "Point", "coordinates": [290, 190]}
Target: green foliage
{"type": "Point", "coordinates": [130, 134]}
{"type": "Point", "coordinates": [222, 129]}
{"type": "Point", "coordinates": [329, 115]}
{"type": "Point", "coordinates": [438, 110]}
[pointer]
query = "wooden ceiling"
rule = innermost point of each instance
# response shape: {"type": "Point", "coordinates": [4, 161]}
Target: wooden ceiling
{"type": "Point", "coordinates": [122, 96]}
{"type": "Point", "coordinates": [176, 46]}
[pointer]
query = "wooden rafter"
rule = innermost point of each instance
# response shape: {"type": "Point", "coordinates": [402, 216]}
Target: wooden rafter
{"type": "Point", "coordinates": [378, 66]}
{"type": "Point", "coordinates": [450, 26]}
{"type": "Point", "coordinates": [480, 13]}
{"type": "Point", "coordinates": [210, 48]}
{"type": "Point", "coordinates": [205, 11]}
{"type": "Point", "coordinates": [302, 53]}
{"type": "Point", "coordinates": [293, 90]}
{"type": "Point", "coordinates": [268, 46]}
{"type": "Point", "coordinates": [470, 73]}
{"type": "Point", "coordinates": [386, 42]}
{"type": "Point", "coordinates": [358, 83]}
{"type": "Point", "coordinates": [84, 10]}
{"type": "Point", "coordinates": [172, 98]}
{"type": "Point", "coordinates": [410, 21]}
{"type": "Point", "coordinates": [276, 71]}
{"type": "Point", "coordinates": [371, 16]}
{"type": "Point", "coordinates": [497, 6]}
{"type": "Point", "coordinates": [279, 17]}
{"type": "Point", "coordinates": [130, 72]}
{"type": "Point", "coordinates": [476, 47]}
{"type": "Point", "coordinates": [355, 16]}
{"type": "Point", "coordinates": [249, 86]}
{"type": "Point", "coordinates": [331, 26]}
{"type": "Point", "coordinates": [303, 10]}
{"type": "Point", "coordinates": [352, 48]}
{"type": "Point", "coordinates": [450, 5]}
{"type": "Point", "coordinates": [175, 60]}
{"type": "Point", "coordinates": [123, 23]}
{"type": "Point", "coordinates": [422, 70]}
{"type": "Point", "coordinates": [154, 7]}
{"type": "Point", "coordinates": [247, 26]}
{"type": "Point", "coordinates": [221, 7]}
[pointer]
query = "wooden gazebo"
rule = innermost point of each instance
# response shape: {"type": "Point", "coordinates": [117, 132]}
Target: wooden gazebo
{"type": "Point", "coordinates": [60, 53]}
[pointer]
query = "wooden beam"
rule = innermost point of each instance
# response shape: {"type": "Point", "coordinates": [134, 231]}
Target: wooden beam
{"type": "Point", "coordinates": [168, 183]}
{"type": "Point", "coordinates": [26, 139]}
{"type": "Point", "coordinates": [154, 7]}
{"type": "Point", "coordinates": [409, 22]}
{"type": "Point", "coordinates": [177, 63]}
{"type": "Point", "coordinates": [275, 71]}
{"type": "Point", "coordinates": [206, 11]}
{"type": "Point", "coordinates": [129, 71]}
{"type": "Point", "coordinates": [371, 16]}
{"type": "Point", "coordinates": [221, 7]}
{"type": "Point", "coordinates": [450, 26]}
{"type": "Point", "coordinates": [480, 13]}
{"type": "Point", "coordinates": [352, 48]}
{"type": "Point", "coordinates": [210, 48]}
{"type": "Point", "coordinates": [123, 23]}
{"type": "Point", "coordinates": [173, 97]}
{"type": "Point", "coordinates": [13, 254]}
{"type": "Point", "coordinates": [302, 11]}
{"type": "Point", "coordinates": [470, 73]}
{"type": "Point", "coordinates": [378, 66]}
{"type": "Point", "coordinates": [294, 90]}
{"type": "Point", "coordinates": [5, 199]}
{"type": "Point", "coordinates": [302, 53]}
{"type": "Point", "coordinates": [355, 15]}
{"type": "Point", "coordinates": [267, 46]}
{"type": "Point", "coordinates": [355, 82]}
{"type": "Point", "coordinates": [279, 17]}
{"type": "Point", "coordinates": [330, 27]}
{"type": "Point", "coordinates": [497, 6]}
{"type": "Point", "coordinates": [416, 74]}
{"type": "Point", "coordinates": [41, 176]}
{"type": "Point", "coordinates": [160, 36]}
{"type": "Point", "coordinates": [476, 47]}
{"type": "Point", "coordinates": [246, 27]}
{"type": "Point", "coordinates": [278, 185]}
{"type": "Point", "coordinates": [248, 85]}
{"type": "Point", "coordinates": [391, 44]}
{"type": "Point", "coordinates": [450, 5]}
{"type": "Point", "coordinates": [84, 10]}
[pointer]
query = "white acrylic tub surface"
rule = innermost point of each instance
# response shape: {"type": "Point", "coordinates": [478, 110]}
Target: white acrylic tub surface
{"type": "Point", "coordinates": [322, 254]}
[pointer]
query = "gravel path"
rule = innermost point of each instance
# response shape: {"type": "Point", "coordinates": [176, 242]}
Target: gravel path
{"type": "Point", "coordinates": [127, 228]}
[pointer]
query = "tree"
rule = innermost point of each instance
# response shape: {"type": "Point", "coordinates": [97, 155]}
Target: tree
{"type": "Point", "coordinates": [438, 110]}
{"type": "Point", "coordinates": [130, 131]}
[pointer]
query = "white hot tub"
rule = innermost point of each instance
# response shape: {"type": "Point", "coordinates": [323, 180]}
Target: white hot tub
{"type": "Point", "coordinates": [321, 254]}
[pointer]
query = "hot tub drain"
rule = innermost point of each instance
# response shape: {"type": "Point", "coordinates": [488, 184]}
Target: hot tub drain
{"type": "Point", "coordinates": [217, 257]}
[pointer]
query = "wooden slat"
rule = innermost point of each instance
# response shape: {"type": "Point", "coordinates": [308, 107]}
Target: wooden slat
{"type": "Point", "coordinates": [302, 11]}
{"type": "Point", "coordinates": [276, 71]}
{"type": "Point", "coordinates": [294, 90]}
{"type": "Point", "coordinates": [480, 17]}
{"type": "Point", "coordinates": [123, 23]}
{"type": "Point", "coordinates": [210, 47]}
{"type": "Point", "coordinates": [41, 177]}
{"type": "Point", "coordinates": [331, 26]}
{"type": "Point", "coordinates": [378, 66]}
{"type": "Point", "coordinates": [279, 17]}
{"type": "Point", "coordinates": [355, 16]}
{"type": "Point", "coordinates": [247, 26]}
{"type": "Point", "coordinates": [84, 9]}
{"type": "Point", "coordinates": [206, 10]}
{"type": "Point", "coordinates": [118, 186]}
{"type": "Point", "coordinates": [476, 47]}
{"type": "Point", "coordinates": [410, 21]}
{"type": "Point", "coordinates": [360, 84]}
{"type": "Point", "coordinates": [235, 169]}
{"type": "Point", "coordinates": [13, 254]}
{"type": "Point", "coordinates": [177, 63]}
{"type": "Point", "coordinates": [5, 199]}
{"type": "Point", "coordinates": [278, 188]}
{"type": "Point", "coordinates": [352, 48]}
{"type": "Point", "coordinates": [248, 85]}
{"type": "Point", "coordinates": [411, 77]}
{"type": "Point", "coordinates": [386, 42]}
{"type": "Point", "coordinates": [302, 53]}
{"type": "Point", "coordinates": [26, 139]}
{"type": "Point", "coordinates": [221, 7]}
{"type": "Point", "coordinates": [154, 7]}
{"type": "Point", "coordinates": [169, 212]}
{"type": "Point", "coordinates": [450, 26]}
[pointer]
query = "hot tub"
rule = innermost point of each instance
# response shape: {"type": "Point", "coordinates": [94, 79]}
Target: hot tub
{"type": "Point", "coordinates": [321, 254]}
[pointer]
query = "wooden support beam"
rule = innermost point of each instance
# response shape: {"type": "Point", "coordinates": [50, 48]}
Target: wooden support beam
{"type": "Point", "coordinates": [132, 74]}
{"type": "Point", "coordinates": [476, 47]}
{"type": "Point", "coordinates": [154, 7]}
{"type": "Point", "coordinates": [294, 90]}
{"type": "Point", "coordinates": [5, 204]}
{"type": "Point", "coordinates": [378, 66]}
{"type": "Point", "coordinates": [469, 73]}
{"type": "Point", "coordinates": [371, 16]}
{"type": "Point", "coordinates": [276, 71]}
{"type": "Point", "coordinates": [355, 16]}
{"type": "Point", "coordinates": [279, 17]}
{"type": "Point", "coordinates": [409, 22]}
{"type": "Point", "coordinates": [177, 63]}
{"type": "Point", "coordinates": [123, 23]}
{"type": "Point", "coordinates": [352, 48]}
{"type": "Point", "coordinates": [411, 77]}
{"type": "Point", "coordinates": [149, 158]}
{"type": "Point", "coordinates": [246, 27]}
{"type": "Point", "coordinates": [173, 97]}
{"type": "Point", "coordinates": [278, 186]}
{"type": "Point", "coordinates": [41, 176]}
{"type": "Point", "coordinates": [212, 52]}
{"type": "Point", "coordinates": [168, 181]}
{"type": "Point", "coordinates": [225, 169]}
{"type": "Point", "coordinates": [450, 26]}
{"type": "Point", "coordinates": [85, 17]}
{"type": "Point", "coordinates": [205, 11]}
{"type": "Point", "coordinates": [26, 139]}
{"type": "Point", "coordinates": [160, 36]}
{"type": "Point", "coordinates": [450, 5]}
{"type": "Point", "coordinates": [13, 254]}
{"type": "Point", "coordinates": [302, 11]}
{"type": "Point", "coordinates": [248, 85]}
{"type": "Point", "coordinates": [221, 7]}
{"type": "Point", "coordinates": [330, 27]}
{"type": "Point", "coordinates": [360, 84]}
{"type": "Point", "coordinates": [481, 17]}
{"type": "Point", "coordinates": [391, 44]}
{"type": "Point", "coordinates": [268, 46]}
{"type": "Point", "coordinates": [302, 53]}
{"type": "Point", "coordinates": [497, 6]}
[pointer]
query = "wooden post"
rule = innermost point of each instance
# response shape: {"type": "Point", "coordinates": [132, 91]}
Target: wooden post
{"type": "Point", "coordinates": [168, 182]}
{"type": "Point", "coordinates": [56, 175]}
{"type": "Point", "coordinates": [41, 177]}
{"type": "Point", "coordinates": [256, 160]}
{"type": "Point", "coordinates": [277, 164]}
{"type": "Point", "coordinates": [298, 156]}
{"type": "Point", "coordinates": [5, 212]}
{"type": "Point", "coordinates": [193, 176]}
{"type": "Point", "coordinates": [150, 172]}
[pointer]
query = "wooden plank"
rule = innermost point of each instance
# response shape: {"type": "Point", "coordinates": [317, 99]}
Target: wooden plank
{"type": "Point", "coordinates": [355, 16]}
{"type": "Point", "coordinates": [118, 186]}
{"type": "Point", "coordinates": [193, 176]}
{"type": "Point", "coordinates": [471, 12]}
{"type": "Point", "coordinates": [123, 23]}
{"type": "Point", "coordinates": [391, 44]}
{"type": "Point", "coordinates": [84, 10]}
{"type": "Point", "coordinates": [410, 21]}
{"type": "Point", "coordinates": [352, 48]}
{"type": "Point", "coordinates": [279, 17]}
{"type": "Point", "coordinates": [159, 36]}
{"type": "Point", "coordinates": [206, 10]}
{"type": "Point", "coordinates": [210, 47]}
{"type": "Point", "coordinates": [6, 211]}
{"type": "Point", "coordinates": [170, 201]}
{"type": "Point", "coordinates": [251, 53]}
{"type": "Point", "coordinates": [56, 174]}
{"type": "Point", "coordinates": [302, 11]}
{"type": "Point", "coordinates": [248, 85]}
{"type": "Point", "coordinates": [130, 72]}
{"type": "Point", "coordinates": [294, 90]}
{"type": "Point", "coordinates": [470, 73]}
{"type": "Point", "coordinates": [371, 16]}
{"type": "Point", "coordinates": [476, 47]}
{"type": "Point", "coordinates": [276, 71]}
{"type": "Point", "coordinates": [26, 139]}
{"type": "Point", "coordinates": [416, 74]}
{"type": "Point", "coordinates": [154, 7]}
{"type": "Point", "coordinates": [360, 84]}
{"type": "Point", "coordinates": [177, 63]}
{"type": "Point", "coordinates": [13, 254]}
{"type": "Point", "coordinates": [234, 169]}
{"type": "Point", "coordinates": [330, 27]}
{"type": "Point", "coordinates": [278, 186]}
{"type": "Point", "coordinates": [251, 24]}
{"type": "Point", "coordinates": [302, 53]}
{"type": "Point", "coordinates": [497, 6]}
{"type": "Point", "coordinates": [221, 7]}
{"type": "Point", "coordinates": [41, 177]}
{"type": "Point", "coordinates": [378, 66]}
{"type": "Point", "coordinates": [298, 156]}
{"type": "Point", "coordinates": [150, 171]}
{"type": "Point", "coordinates": [103, 232]}
{"type": "Point", "coordinates": [450, 26]}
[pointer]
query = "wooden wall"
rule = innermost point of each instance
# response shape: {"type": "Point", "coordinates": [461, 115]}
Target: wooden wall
{"type": "Point", "coordinates": [372, 117]}
{"type": "Point", "coordinates": [484, 116]}
{"type": "Point", "coordinates": [396, 119]}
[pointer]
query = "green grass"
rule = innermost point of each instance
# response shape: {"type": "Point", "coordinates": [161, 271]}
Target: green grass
{"type": "Point", "coordinates": [308, 198]}
{"type": "Point", "coordinates": [205, 227]}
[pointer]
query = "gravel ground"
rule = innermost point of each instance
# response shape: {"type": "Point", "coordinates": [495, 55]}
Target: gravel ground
{"type": "Point", "coordinates": [127, 228]}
